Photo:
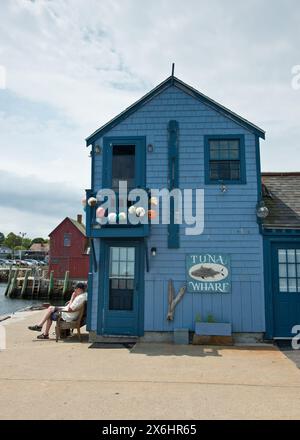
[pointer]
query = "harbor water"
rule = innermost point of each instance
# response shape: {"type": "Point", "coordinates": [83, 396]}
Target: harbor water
{"type": "Point", "coordinates": [12, 305]}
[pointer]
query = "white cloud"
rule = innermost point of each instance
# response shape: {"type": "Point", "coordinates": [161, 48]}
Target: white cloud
{"type": "Point", "coordinates": [77, 63]}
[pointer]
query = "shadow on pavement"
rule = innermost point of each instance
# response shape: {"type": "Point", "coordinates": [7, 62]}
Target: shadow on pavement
{"type": "Point", "coordinates": [285, 346]}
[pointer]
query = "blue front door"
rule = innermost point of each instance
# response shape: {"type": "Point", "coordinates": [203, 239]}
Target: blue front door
{"type": "Point", "coordinates": [286, 287]}
{"type": "Point", "coordinates": [123, 288]}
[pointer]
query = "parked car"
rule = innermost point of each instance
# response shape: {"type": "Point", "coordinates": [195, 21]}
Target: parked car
{"type": "Point", "coordinates": [29, 263]}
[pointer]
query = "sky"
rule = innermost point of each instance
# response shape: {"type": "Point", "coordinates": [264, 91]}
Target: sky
{"type": "Point", "coordinates": [68, 66]}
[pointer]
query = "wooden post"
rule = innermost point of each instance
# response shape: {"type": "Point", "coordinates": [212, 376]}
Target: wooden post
{"type": "Point", "coordinates": [66, 283]}
{"type": "Point", "coordinates": [24, 286]}
{"type": "Point", "coordinates": [13, 283]}
{"type": "Point", "coordinates": [8, 281]}
{"type": "Point", "coordinates": [33, 285]}
{"type": "Point", "coordinates": [51, 283]}
{"type": "Point", "coordinates": [173, 301]}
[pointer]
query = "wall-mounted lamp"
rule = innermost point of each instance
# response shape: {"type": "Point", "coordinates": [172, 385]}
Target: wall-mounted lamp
{"type": "Point", "coordinates": [97, 149]}
{"type": "Point", "coordinates": [261, 210]}
{"type": "Point", "coordinates": [150, 148]}
{"type": "Point", "coordinates": [153, 251]}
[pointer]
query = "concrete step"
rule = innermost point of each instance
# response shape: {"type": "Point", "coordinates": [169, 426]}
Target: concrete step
{"type": "Point", "coordinates": [122, 339]}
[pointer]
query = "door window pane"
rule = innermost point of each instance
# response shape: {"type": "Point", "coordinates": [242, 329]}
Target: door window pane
{"type": "Point", "coordinates": [292, 270]}
{"type": "Point", "coordinates": [282, 285]}
{"type": "Point", "coordinates": [123, 271]}
{"type": "Point", "coordinates": [123, 254]}
{"type": "Point", "coordinates": [282, 270]}
{"type": "Point", "coordinates": [130, 269]}
{"type": "Point", "coordinates": [292, 285]}
{"type": "Point", "coordinates": [130, 254]}
{"type": "Point", "coordinates": [288, 270]}
{"type": "Point", "coordinates": [122, 274]}
{"type": "Point", "coordinates": [291, 255]}
{"type": "Point", "coordinates": [114, 252]}
{"type": "Point", "coordinates": [115, 268]}
{"type": "Point", "coordinates": [281, 255]}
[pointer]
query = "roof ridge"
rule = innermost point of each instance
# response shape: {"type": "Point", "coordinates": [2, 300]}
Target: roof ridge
{"type": "Point", "coordinates": [176, 82]}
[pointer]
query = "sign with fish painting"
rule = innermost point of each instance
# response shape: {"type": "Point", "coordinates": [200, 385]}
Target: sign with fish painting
{"type": "Point", "coordinates": [208, 273]}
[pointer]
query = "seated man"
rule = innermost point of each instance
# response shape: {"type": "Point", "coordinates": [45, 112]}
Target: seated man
{"type": "Point", "coordinates": [70, 312]}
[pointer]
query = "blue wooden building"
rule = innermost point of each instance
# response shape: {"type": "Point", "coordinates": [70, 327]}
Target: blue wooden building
{"type": "Point", "coordinates": [281, 232]}
{"type": "Point", "coordinates": [176, 137]}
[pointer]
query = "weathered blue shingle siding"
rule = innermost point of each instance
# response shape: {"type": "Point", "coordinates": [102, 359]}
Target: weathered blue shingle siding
{"type": "Point", "coordinates": [230, 220]}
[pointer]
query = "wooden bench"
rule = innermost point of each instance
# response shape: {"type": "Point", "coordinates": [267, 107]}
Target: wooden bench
{"type": "Point", "coordinates": [78, 323]}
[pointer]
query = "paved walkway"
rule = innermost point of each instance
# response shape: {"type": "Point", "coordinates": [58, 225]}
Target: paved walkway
{"type": "Point", "coordinates": [69, 380]}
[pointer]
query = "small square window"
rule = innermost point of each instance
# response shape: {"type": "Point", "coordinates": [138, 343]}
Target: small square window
{"type": "Point", "coordinates": [67, 240]}
{"type": "Point", "coordinates": [224, 158]}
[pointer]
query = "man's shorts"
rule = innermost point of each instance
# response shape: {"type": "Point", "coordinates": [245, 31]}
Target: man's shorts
{"type": "Point", "coordinates": [54, 315]}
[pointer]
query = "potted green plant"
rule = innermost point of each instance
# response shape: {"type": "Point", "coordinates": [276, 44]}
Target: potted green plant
{"type": "Point", "coordinates": [211, 328]}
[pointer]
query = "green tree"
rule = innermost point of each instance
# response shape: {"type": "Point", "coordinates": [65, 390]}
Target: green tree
{"type": "Point", "coordinates": [12, 240]}
{"type": "Point", "coordinates": [27, 243]}
{"type": "Point", "coordinates": [20, 248]}
{"type": "Point", "coordinates": [2, 238]}
{"type": "Point", "coordinates": [38, 240]}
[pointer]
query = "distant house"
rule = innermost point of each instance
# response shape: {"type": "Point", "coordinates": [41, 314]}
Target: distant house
{"type": "Point", "coordinates": [40, 247]}
{"type": "Point", "coordinates": [68, 249]}
{"type": "Point", "coordinates": [5, 252]}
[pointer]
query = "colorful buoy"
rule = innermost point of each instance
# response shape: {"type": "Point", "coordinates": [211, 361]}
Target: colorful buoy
{"type": "Point", "coordinates": [132, 210]}
{"type": "Point", "coordinates": [100, 212]}
{"type": "Point", "coordinates": [112, 217]}
{"type": "Point", "coordinates": [151, 214]}
{"type": "Point", "coordinates": [140, 212]}
{"type": "Point", "coordinates": [153, 201]}
{"type": "Point", "coordinates": [92, 201]}
{"type": "Point", "coordinates": [122, 216]}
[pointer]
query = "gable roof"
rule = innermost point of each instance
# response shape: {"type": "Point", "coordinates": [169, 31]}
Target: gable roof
{"type": "Point", "coordinates": [79, 226]}
{"type": "Point", "coordinates": [39, 247]}
{"type": "Point", "coordinates": [281, 193]}
{"type": "Point", "coordinates": [173, 81]}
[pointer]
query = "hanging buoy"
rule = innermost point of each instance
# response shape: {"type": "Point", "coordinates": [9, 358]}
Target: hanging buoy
{"type": "Point", "coordinates": [100, 212]}
{"type": "Point", "coordinates": [122, 216]}
{"type": "Point", "coordinates": [140, 212]}
{"type": "Point", "coordinates": [92, 201]}
{"type": "Point", "coordinates": [112, 217]}
{"type": "Point", "coordinates": [151, 214]}
{"type": "Point", "coordinates": [132, 210]}
{"type": "Point", "coordinates": [153, 201]}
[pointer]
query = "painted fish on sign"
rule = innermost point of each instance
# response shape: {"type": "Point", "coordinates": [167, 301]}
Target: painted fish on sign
{"type": "Point", "coordinates": [208, 273]}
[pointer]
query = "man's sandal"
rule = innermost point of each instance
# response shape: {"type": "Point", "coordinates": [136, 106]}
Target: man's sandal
{"type": "Point", "coordinates": [42, 336]}
{"type": "Point", "coordinates": [35, 328]}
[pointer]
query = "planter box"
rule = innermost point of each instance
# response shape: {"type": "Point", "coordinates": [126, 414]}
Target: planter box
{"type": "Point", "coordinates": [213, 328]}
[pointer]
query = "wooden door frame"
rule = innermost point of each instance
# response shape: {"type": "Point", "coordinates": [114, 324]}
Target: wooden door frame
{"type": "Point", "coordinates": [103, 270]}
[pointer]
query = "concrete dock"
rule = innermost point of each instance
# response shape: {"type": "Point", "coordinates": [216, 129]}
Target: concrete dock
{"type": "Point", "coordinates": [70, 380]}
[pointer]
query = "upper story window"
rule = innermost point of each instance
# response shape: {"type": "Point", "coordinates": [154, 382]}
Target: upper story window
{"type": "Point", "coordinates": [67, 240]}
{"type": "Point", "coordinates": [225, 159]}
{"type": "Point", "coordinates": [123, 165]}
{"type": "Point", "coordinates": [125, 160]}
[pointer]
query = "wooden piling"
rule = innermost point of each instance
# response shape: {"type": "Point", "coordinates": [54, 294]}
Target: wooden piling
{"type": "Point", "coordinates": [33, 286]}
{"type": "Point", "coordinates": [13, 283]}
{"type": "Point", "coordinates": [66, 283]}
{"type": "Point", "coordinates": [24, 285]}
{"type": "Point", "coordinates": [51, 284]}
{"type": "Point", "coordinates": [8, 281]}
